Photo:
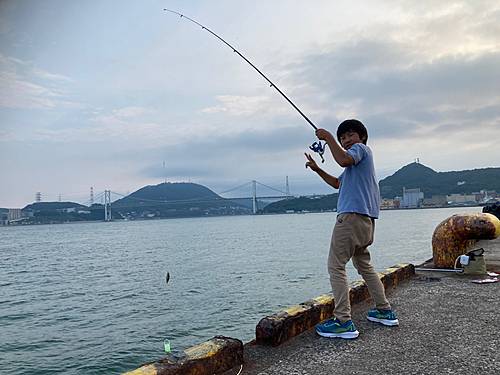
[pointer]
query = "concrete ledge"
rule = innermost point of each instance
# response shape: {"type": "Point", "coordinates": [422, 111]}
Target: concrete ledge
{"type": "Point", "coordinates": [281, 327]}
{"type": "Point", "coordinates": [214, 356]}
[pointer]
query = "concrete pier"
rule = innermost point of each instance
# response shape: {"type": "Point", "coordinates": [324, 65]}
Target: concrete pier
{"type": "Point", "coordinates": [447, 325]}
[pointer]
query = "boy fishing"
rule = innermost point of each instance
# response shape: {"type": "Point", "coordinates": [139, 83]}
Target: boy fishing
{"type": "Point", "coordinates": [358, 207]}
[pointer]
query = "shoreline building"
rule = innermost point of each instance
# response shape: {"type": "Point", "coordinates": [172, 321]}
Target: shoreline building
{"type": "Point", "coordinates": [435, 201]}
{"type": "Point", "coordinates": [14, 214]}
{"type": "Point", "coordinates": [461, 199]}
{"type": "Point", "coordinates": [412, 198]}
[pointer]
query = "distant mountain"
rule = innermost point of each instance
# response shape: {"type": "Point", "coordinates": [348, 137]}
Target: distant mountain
{"type": "Point", "coordinates": [430, 182]}
{"type": "Point", "coordinates": [181, 199]}
{"type": "Point", "coordinates": [50, 212]}
{"type": "Point", "coordinates": [169, 192]}
{"type": "Point", "coordinates": [318, 203]}
{"type": "Point", "coordinates": [179, 191]}
{"type": "Point", "coordinates": [52, 206]}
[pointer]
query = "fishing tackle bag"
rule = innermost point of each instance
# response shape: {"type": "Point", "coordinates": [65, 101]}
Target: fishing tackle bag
{"type": "Point", "coordinates": [477, 263]}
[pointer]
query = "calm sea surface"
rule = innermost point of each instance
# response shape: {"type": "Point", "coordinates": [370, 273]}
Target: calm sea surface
{"type": "Point", "coordinates": [91, 298]}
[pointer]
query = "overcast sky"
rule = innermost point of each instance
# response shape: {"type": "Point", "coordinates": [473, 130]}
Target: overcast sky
{"type": "Point", "coordinates": [101, 93]}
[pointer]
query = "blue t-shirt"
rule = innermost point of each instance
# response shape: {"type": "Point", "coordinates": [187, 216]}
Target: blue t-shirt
{"type": "Point", "coordinates": [359, 191]}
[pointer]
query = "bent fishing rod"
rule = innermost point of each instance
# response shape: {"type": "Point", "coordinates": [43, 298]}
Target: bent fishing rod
{"type": "Point", "coordinates": [316, 146]}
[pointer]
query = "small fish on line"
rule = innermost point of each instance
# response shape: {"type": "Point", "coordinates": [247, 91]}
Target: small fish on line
{"type": "Point", "coordinates": [167, 278]}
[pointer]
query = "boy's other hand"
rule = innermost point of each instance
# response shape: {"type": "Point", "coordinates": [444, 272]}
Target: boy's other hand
{"type": "Point", "coordinates": [311, 163]}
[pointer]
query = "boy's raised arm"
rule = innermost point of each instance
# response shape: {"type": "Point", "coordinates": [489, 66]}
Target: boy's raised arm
{"type": "Point", "coordinates": [341, 157]}
{"type": "Point", "coordinates": [328, 178]}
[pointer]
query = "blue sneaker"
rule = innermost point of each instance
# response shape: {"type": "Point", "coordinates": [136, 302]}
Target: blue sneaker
{"type": "Point", "coordinates": [335, 328]}
{"type": "Point", "coordinates": [386, 317]}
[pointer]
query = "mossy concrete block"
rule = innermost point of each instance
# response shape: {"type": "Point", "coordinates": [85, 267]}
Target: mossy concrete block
{"type": "Point", "coordinates": [281, 327]}
{"type": "Point", "coordinates": [394, 275]}
{"type": "Point", "coordinates": [214, 356]}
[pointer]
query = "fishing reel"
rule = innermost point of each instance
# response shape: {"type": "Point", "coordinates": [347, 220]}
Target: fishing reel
{"type": "Point", "coordinates": [318, 147]}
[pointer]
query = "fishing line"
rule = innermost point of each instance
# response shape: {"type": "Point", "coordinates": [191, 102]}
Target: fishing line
{"type": "Point", "coordinates": [316, 146]}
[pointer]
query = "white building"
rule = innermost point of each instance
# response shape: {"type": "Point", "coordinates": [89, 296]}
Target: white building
{"type": "Point", "coordinates": [412, 198]}
{"type": "Point", "coordinates": [14, 214]}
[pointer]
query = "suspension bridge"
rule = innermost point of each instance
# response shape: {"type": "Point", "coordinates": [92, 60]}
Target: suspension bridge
{"type": "Point", "coordinates": [252, 190]}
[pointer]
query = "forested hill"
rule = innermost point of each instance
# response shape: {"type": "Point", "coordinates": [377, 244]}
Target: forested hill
{"type": "Point", "coordinates": [430, 182]}
{"type": "Point", "coordinates": [181, 199]}
{"type": "Point", "coordinates": [168, 192]}
{"type": "Point", "coordinates": [52, 206]}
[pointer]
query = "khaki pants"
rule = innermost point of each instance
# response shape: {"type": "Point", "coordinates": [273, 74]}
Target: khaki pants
{"type": "Point", "coordinates": [352, 235]}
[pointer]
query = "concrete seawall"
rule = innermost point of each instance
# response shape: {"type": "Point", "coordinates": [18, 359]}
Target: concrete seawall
{"type": "Point", "coordinates": [211, 357]}
{"type": "Point", "coordinates": [283, 326]}
{"type": "Point", "coordinates": [221, 354]}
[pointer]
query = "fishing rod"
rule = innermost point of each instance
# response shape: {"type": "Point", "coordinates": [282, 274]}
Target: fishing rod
{"type": "Point", "coordinates": [316, 146]}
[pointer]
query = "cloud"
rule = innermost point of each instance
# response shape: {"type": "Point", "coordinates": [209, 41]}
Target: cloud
{"type": "Point", "coordinates": [133, 111]}
{"type": "Point", "coordinates": [106, 128]}
{"type": "Point", "coordinates": [423, 76]}
{"type": "Point", "coordinates": [230, 155]}
{"type": "Point", "coordinates": [255, 106]}
{"type": "Point", "coordinates": [54, 77]}
{"type": "Point", "coordinates": [238, 105]}
{"type": "Point", "coordinates": [373, 81]}
{"type": "Point", "coordinates": [18, 91]}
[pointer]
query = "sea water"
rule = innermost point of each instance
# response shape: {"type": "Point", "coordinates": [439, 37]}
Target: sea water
{"type": "Point", "coordinates": [91, 297]}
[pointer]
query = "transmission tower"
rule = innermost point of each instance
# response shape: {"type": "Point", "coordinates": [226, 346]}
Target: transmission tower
{"type": "Point", "coordinates": [38, 197]}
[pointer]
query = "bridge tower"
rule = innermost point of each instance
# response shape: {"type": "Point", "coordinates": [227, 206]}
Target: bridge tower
{"type": "Point", "coordinates": [107, 205]}
{"type": "Point", "coordinates": [254, 197]}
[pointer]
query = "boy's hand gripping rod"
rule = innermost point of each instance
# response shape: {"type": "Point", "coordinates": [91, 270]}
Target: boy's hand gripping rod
{"type": "Point", "coordinates": [316, 146]}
